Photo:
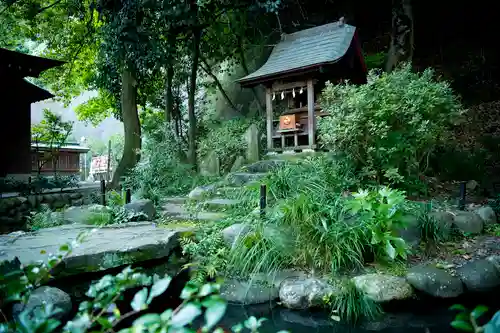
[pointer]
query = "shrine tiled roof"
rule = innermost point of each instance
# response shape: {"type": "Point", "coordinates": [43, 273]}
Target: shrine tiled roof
{"type": "Point", "coordinates": [321, 45]}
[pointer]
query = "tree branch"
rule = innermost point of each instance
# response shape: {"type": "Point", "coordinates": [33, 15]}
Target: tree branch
{"type": "Point", "coordinates": [55, 3]}
{"type": "Point", "coordinates": [206, 68]}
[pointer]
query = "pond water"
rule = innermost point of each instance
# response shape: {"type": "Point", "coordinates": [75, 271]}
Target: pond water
{"type": "Point", "coordinates": [432, 319]}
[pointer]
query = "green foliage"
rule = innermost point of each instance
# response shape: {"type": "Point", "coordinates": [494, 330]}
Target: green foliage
{"type": "Point", "coordinates": [352, 304]}
{"type": "Point", "coordinates": [467, 321]}
{"type": "Point", "coordinates": [161, 172]}
{"type": "Point", "coordinates": [97, 108]}
{"type": "Point", "coordinates": [430, 229]}
{"type": "Point", "coordinates": [44, 218]}
{"type": "Point", "coordinates": [113, 215]}
{"type": "Point", "coordinates": [319, 227]}
{"type": "Point", "coordinates": [390, 126]}
{"type": "Point", "coordinates": [261, 249]}
{"type": "Point", "coordinates": [226, 140]}
{"type": "Point", "coordinates": [382, 213]}
{"type": "Point", "coordinates": [207, 250]}
{"type": "Point", "coordinates": [53, 132]}
{"type": "Point", "coordinates": [38, 184]}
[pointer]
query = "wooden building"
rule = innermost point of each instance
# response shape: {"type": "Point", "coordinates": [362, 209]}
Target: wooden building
{"type": "Point", "coordinates": [295, 74]}
{"type": "Point", "coordinates": [16, 96]}
{"type": "Point", "coordinates": [67, 163]}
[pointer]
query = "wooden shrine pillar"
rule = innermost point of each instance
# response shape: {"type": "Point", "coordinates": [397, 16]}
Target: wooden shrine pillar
{"type": "Point", "coordinates": [269, 118]}
{"type": "Point", "coordinates": [311, 117]}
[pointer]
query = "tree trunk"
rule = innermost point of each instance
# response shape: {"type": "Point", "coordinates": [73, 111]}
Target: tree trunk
{"type": "Point", "coordinates": [169, 96]}
{"type": "Point", "coordinates": [131, 126]}
{"type": "Point", "coordinates": [191, 98]}
{"type": "Point", "coordinates": [401, 48]}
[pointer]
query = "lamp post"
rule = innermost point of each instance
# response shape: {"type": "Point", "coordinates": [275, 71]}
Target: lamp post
{"type": "Point", "coordinates": [82, 141]}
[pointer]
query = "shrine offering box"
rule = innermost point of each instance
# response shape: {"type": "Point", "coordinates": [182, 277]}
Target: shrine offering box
{"type": "Point", "coordinates": [287, 122]}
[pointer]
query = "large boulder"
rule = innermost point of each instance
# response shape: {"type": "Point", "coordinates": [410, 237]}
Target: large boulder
{"type": "Point", "coordinates": [410, 232]}
{"type": "Point", "coordinates": [43, 296]}
{"type": "Point", "coordinates": [260, 288]}
{"type": "Point", "coordinates": [104, 248]}
{"type": "Point", "coordinates": [383, 288]}
{"type": "Point", "coordinates": [303, 293]}
{"type": "Point", "coordinates": [233, 232]}
{"type": "Point", "coordinates": [468, 222]}
{"type": "Point", "coordinates": [246, 292]}
{"type": "Point", "coordinates": [251, 138]}
{"type": "Point", "coordinates": [479, 275]}
{"type": "Point", "coordinates": [487, 214]}
{"type": "Point", "coordinates": [210, 166]}
{"type": "Point", "coordinates": [434, 281]}
{"type": "Point", "coordinates": [143, 206]}
{"type": "Point", "coordinates": [201, 192]}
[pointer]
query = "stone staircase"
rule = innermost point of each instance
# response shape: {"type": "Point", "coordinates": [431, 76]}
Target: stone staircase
{"type": "Point", "coordinates": [208, 203]}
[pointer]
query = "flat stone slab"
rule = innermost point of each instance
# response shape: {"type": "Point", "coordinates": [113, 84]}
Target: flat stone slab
{"type": "Point", "coordinates": [220, 203]}
{"type": "Point", "coordinates": [104, 248]}
{"type": "Point", "coordinates": [179, 212]}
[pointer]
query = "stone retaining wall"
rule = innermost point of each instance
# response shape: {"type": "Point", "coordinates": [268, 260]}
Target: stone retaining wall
{"type": "Point", "coordinates": [14, 210]}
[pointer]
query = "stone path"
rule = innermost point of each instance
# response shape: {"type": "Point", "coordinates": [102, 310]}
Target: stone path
{"type": "Point", "coordinates": [104, 248]}
{"type": "Point", "coordinates": [211, 200]}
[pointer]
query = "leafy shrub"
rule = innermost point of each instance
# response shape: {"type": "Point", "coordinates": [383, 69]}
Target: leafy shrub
{"type": "Point", "coordinates": [207, 250]}
{"type": "Point", "coordinates": [161, 171]}
{"type": "Point", "coordinates": [430, 229]}
{"type": "Point", "coordinates": [44, 218]}
{"type": "Point", "coordinates": [226, 140]}
{"type": "Point", "coordinates": [38, 184]}
{"type": "Point", "coordinates": [102, 314]}
{"type": "Point", "coordinates": [113, 215]}
{"type": "Point", "coordinates": [261, 249]}
{"type": "Point", "coordinates": [382, 213]}
{"type": "Point", "coordinates": [323, 228]}
{"type": "Point", "coordinates": [390, 126]}
{"type": "Point", "coordinates": [352, 304]}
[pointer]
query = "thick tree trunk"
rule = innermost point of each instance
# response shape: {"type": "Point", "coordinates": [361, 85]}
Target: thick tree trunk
{"type": "Point", "coordinates": [169, 96]}
{"type": "Point", "coordinates": [401, 48]}
{"type": "Point", "coordinates": [131, 126]}
{"type": "Point", "coordinates": [191, 98]}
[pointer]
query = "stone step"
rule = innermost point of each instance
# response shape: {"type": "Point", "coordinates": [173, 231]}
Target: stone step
{"type": "Point", "coordinates": [219, 203]}
{"type": "Point", "coordinates": [264, 166]}
{"type": "Point", "coordinates": [227, 192]}
{"type": "Point", "coordinates": [176, 200]}
{"type": "Point", "coordinates": [243, 178]}
{"type": "Point", "coordinates": [179, 212]}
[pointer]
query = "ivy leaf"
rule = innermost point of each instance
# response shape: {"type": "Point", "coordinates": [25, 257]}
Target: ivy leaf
{"type": "Point", "coordinates": [159, 288]}
{"type": "Point", "coordinates": [216, 308]}
{"type": "Point", "coordinates": [479, 311]}
{"type": "Point", "coordinates": [139, 301]}
{"type": "Point", "coordinates": [462, 326]}
{"type": "Point", "coordinates": [185, 315]}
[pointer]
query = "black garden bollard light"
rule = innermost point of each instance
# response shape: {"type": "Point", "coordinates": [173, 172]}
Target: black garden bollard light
{"type": "Point", "coordinates": [263, 200]}
{"type": "Point", "coordinates": [29, 185]}
{"type": "Point", "coordinates": [128, 196]}
{"type": "Point", "coordinates": [463, 192]}
{"type": "Point", "coordinates": [103, 192]}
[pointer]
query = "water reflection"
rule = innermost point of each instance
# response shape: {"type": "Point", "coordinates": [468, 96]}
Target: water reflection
{"type": "Point", "coordinates": [433, 321]}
